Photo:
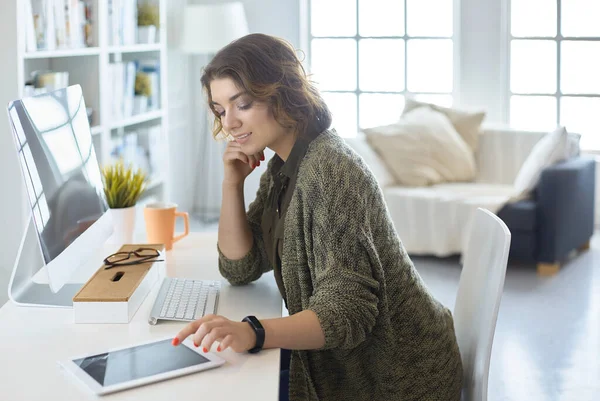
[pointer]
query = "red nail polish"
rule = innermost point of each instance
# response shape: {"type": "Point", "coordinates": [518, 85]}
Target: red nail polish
{"type": "Point", "coordinates": [196, 345]}
{"type": "Point", "coordinates": [204, 349]}
{"type": "Point", "coordinates": [258, 164]}
{"type": "Point", "coordinates": [219, 348]}
{"type": "Point", "coordinates": [175, 341]}
{"type": "Point", "coordinates": [262, 158]}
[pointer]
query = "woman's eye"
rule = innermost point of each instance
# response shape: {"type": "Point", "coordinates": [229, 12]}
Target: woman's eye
{"type": "Point", "coordinates": [245, 106]}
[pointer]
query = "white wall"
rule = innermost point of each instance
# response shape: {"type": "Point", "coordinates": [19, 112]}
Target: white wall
{"type": "Point", "coordinates": [11, 189]}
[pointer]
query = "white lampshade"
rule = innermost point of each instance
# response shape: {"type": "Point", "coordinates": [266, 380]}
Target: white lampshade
{"type": "Point", "coordinates": [208, 28]}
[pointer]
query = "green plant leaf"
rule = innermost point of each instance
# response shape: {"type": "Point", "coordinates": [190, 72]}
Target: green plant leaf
{"type": "Point", "coordinates": [122, 185]}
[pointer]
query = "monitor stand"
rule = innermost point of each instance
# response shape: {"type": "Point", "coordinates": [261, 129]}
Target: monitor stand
{"type": "Point", "coordinates": [22, 290]}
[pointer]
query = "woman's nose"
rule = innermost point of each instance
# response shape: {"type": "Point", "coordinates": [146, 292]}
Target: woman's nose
{"type": "Point", "coordinates": [230, 121]}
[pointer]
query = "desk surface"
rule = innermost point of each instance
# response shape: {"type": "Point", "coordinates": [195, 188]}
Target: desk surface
{"type": "Point", "coordinates": [32, 340]}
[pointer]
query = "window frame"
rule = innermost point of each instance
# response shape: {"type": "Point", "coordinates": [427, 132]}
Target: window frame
{"type": "Point", "coordinates": [558, 39]}
{"type": "Point", "coordinates": [306, 38]}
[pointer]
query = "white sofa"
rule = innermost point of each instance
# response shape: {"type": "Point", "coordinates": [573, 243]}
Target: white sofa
{"type": "Point", "coordinates": [433, 220]}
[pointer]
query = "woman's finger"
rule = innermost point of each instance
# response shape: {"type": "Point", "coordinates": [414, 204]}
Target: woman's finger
{"type": "Point", "coordinates": [225, 343]}
{"type": "Point", "coordinates": [252, 161]}
{"type": "Point", "coordinates": [187, 331]}
{"type": "Point", "coordinates": [215, 334]}
{"type": "Point", "coordinates": [236, 155]}
{"type": "Point", "coordinates": [203, 330]}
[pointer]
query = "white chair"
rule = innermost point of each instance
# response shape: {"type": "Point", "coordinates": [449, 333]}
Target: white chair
{"type": "Point", "coordinates": [478, 299]}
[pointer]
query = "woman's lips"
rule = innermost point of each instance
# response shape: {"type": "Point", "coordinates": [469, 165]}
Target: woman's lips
{"type": "Point", "coordinates": [243, 138]}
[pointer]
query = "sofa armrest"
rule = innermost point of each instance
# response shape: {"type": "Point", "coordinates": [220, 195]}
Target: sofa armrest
{"type": "Point", "coordinates": [565, 196]}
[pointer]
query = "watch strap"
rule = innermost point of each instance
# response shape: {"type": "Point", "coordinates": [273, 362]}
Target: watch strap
{"type": "Point", "coordinates": [258, 330]}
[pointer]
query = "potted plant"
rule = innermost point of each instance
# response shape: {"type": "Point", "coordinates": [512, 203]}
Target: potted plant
{"type": "Point", "coordinates": [148, 22]}
{"type": "Point", "coordinates": [143, 91]}
{"type": "Point", "coordinates": [123, 187]}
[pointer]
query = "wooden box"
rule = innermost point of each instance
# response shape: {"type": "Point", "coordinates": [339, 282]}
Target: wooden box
{"type": "Point", "coordinates": [114, 295]}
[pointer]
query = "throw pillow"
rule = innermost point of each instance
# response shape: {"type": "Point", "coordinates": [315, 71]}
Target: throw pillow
{"type": "Point", "coordinates": [573, 145]}
{"type": "Point", "coordinates": [466, 123]}
{"type": "Point", "coordinates": [423, 148]}
{"type": "Point", "coordinates": [372, 159]}
{"type": "Point", "coordinates": [549, 150]}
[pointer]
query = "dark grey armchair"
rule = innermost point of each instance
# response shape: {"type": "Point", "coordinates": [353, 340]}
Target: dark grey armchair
{"type": "Point", "coordinates": [558, 220]}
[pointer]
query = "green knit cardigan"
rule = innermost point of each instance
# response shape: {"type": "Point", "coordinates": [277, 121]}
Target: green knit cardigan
{"type": "Point", "coordinates": [386, 337]}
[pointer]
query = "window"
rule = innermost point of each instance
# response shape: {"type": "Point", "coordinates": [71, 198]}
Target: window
{"type": "Point", "coordinates": [367, 55]}
{"type": "Point", "coordinates": [554, 66]}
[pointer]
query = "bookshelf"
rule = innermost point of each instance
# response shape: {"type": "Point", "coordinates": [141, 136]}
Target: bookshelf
{"type": "Point", "coordinates": [96, 68]}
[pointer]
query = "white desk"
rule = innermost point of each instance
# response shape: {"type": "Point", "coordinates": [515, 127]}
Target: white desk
{"type": "Point", "coordinates": [33, 339]}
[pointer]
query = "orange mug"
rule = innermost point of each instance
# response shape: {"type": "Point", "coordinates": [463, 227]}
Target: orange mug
{"type": "Point", "coordinates": [160, 223]}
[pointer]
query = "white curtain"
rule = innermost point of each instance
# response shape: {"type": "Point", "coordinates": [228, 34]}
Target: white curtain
{"type": "Point", "coordinates": [207, 165]}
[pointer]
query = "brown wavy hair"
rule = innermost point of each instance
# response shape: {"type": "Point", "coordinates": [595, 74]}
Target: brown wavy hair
{"type": "Point", "coordinates": [268, 70]}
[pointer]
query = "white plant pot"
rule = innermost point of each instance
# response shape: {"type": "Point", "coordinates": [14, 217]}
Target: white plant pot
{"type": "Point", "coordinates": [123, 225]}
{"type": "Point", "coordinates": [146, 34]}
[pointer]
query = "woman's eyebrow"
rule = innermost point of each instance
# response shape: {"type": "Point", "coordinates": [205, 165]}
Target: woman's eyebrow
{"type": "Point", "coordinates": [231, 99]}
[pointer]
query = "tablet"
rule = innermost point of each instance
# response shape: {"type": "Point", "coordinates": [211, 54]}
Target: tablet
{"type": "Point", "coordinates": [138, 365]}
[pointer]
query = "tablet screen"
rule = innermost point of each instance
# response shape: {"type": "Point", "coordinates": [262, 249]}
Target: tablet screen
{"type": "Point", "coordinates": [137, 362]}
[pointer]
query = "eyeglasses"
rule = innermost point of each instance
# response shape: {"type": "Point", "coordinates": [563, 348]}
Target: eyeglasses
{"type": "Point", "coordinates": [125, 258]}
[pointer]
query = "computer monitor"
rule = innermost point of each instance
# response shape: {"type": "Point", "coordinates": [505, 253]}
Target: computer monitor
{"type": "Point", "coordinates": [67, 206]}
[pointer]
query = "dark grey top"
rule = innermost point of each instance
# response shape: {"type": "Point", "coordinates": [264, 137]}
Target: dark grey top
{"type": "Point", "coordinates": [273, 219]}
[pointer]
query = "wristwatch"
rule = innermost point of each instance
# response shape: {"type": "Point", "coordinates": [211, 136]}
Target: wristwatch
{"type": "Point", "coordinates": [258, 330]}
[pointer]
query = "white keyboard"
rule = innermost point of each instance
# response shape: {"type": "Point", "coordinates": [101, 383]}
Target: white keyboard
{"type": "Point", "coordinates": [185, 300]}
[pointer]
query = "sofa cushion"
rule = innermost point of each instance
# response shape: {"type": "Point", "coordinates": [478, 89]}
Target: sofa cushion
{"type": "Point", "coordinates": [466, 123]}
{"type": "Point", "coordinates": [434, 220]}
{"type": "Point", "coordinates": [519, 215]}
{"type": "Point", "coordinates": [423, 148]}
{"type": "Point", "coordinates": [549, 150]}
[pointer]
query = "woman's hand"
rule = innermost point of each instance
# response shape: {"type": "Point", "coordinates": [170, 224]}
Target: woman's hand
{"type": "Point", "coordinates": [238, 336]}
{"type": "Point", "coordinates": [239, 165]}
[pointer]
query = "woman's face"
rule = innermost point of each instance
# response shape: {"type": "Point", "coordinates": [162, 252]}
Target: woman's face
{"type": "Point", "coordinates": [250, 122]}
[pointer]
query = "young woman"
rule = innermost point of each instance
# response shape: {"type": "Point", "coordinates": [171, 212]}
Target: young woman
{"type": "Point", "coordinates": [362, 324]}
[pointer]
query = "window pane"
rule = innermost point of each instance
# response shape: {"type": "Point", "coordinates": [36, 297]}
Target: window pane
{"type": "Point", "coordinates": [380, 109]}
{"type": "Point", "coordinates": [381, 65]}
{"type": "Point", "coordinates": [333, 18]}
{"type": "Point", "coordinates": [533, 18]}
{"type": "Point", "coordinates": [581, 115]}
{"type": "Point", "coordinates": [580, 71]}
{"type": "Point", "coordinates": [381, 17]}
{"type": "Point", "coordinates": [580, 18]}
{"type": "Point", "coordinates": [430, 66]}
{"type": "Point", "coordinates": [429, 17]}
{"type": "Point", "coordinates": [440, 100]}
{"type": "Point", "coordinates": [343, 109]}
{"type": "Point", "coordinates": [533, 66]}
{"type": "Point", "coordinates": [535, 113]}
{"type": "Point", "coordinates": [334, 63]}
